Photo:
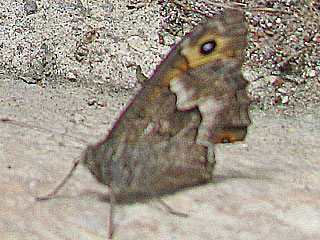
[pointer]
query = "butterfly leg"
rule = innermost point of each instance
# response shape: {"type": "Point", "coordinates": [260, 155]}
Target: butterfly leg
{"type": "Point", "coordinates": [171, 210]}
{"type": "Point", "coordinates": [62, 183]}
{"type": "Point", "coordinates": [111, 215]}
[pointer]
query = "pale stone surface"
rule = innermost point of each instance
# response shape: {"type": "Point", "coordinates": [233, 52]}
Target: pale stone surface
{"type": "Point", "coordinates": [264, 188]}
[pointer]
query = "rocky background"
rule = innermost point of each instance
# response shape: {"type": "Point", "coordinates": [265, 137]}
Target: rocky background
{"type": "Point", "coordinates": [67, 69]}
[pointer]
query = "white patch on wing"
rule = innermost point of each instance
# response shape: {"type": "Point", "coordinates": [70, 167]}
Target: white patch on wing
{"type": "Point", "coordinates": [209, 109]}
{"type": "Point", "coordinates": [184, 95]}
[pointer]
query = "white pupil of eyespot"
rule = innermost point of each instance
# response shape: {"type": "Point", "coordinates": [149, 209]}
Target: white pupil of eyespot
{"type": "Point", "coordinates": [207, 47]}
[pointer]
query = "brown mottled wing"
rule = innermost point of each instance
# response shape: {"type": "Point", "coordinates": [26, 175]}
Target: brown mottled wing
{"type": "Point", "coordinates": [161, 141]}
{"type": "Point", "coordinates": [218, 90]}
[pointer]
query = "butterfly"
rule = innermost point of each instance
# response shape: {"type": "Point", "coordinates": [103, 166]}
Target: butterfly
{"type": "Point", "coordinates": [195, 99]}
{"type": "Point", "coordinates": [164, 140]}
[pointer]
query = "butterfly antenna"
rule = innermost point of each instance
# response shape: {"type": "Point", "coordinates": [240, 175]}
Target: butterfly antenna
{"type": "Point", "coordinates": [26, 125]}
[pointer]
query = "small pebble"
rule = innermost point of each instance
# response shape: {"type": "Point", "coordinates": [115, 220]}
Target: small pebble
{"type": "Point", "coordinates": [285, 100]}
{"type": "Point", "coordinates": [29, 80]}
{"type": "Point", "coordinates": [30, 7]}
{"type": "Point", "coordinates": [71, 76]}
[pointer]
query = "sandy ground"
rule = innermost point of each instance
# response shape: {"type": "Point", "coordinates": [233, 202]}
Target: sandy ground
{"type": "Point", "coordinates": [264, 188]}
